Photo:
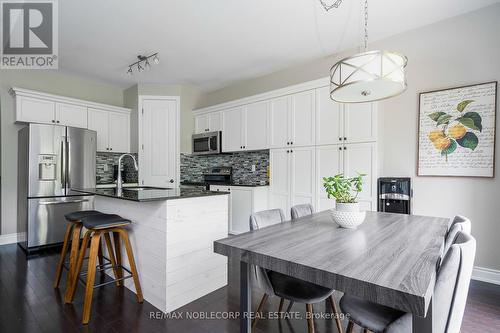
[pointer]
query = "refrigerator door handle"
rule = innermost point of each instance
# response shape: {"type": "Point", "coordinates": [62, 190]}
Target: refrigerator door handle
{"type": "Point", "coordinates": [61, 202]}
{"type": "Point", "coordinates": [68, 166]}
{"type": "Point", "coordinates": [63, 165]}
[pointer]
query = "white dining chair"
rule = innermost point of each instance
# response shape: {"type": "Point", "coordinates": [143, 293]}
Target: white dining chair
{"type": "Point", "coordinates": [298, 211]}
{"type": "Point", "coordinates": [459, 223]}
{"type": "Point", "coordinates": [450, 296]}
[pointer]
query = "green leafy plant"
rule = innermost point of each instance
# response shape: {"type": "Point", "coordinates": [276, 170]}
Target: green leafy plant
{"type": "Point", "coordinates": [454, 131]}
{"type": "Point", "coordinates": [343, 189]}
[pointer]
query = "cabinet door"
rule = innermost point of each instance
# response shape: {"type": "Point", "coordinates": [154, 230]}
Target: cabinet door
{"type": "Point", "coordinates": [71, 115]}
{"type": "Point", "coordinates": [360, 158]}
{"type": "Point", "coordinates": [329, 120]}
{"type": "Point", "coordinates": [159, 143]}
{"type": "Point", "coordinates": [360, 122]}
{"type": "Point", "coordinates": [241, 208]}
{"type": "Point", "coordinates": [119, 132]}
{"type": "Point", "coordinates": [201, 124]}
{"type": "Point", "coordinates": [232, 136]}
{"type": "Point", "coordinates": [303, 119]}
{"type": "Point", "coordinates": [328, 163]}
{"type": "Point", "coordinates": [256, 126]}
{"type": "Point", "coordinates": [279, 191]}
{"type": "Point", "coordinates": [302, 175]}
{"type": "Point", "coordinates": [214, 121]}
{"type": "Point", "coordinates": [33, 110]}
{"type": "Point", "coordinates": [98, 121]}
{"type": "Point", "coordinates": [279, 109]}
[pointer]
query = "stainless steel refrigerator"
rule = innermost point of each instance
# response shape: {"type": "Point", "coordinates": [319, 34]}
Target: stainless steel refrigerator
{"type": "Point", "coordinates": [52, 162]}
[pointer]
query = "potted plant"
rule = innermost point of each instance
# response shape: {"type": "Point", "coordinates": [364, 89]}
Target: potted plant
{"type": "Point", "coordinates": [345, 192]}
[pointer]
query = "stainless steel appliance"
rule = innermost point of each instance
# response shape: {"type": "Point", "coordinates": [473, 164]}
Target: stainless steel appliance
{"type": "Point", "coordinates": [52, 160]}
{"type": "Point", "coordinates": [221, 175]}
{"type": "Point", "coordinates": [394, 195]}
{"type": "Point", "coordinates": [207, 143]}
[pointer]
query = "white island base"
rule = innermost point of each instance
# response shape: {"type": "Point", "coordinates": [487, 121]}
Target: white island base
{"type": "Point", "coordinates": [172, 242]}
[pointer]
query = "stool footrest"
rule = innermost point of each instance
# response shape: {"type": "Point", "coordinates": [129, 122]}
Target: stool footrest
{"type": "Point", "coordinates": [101, 269]}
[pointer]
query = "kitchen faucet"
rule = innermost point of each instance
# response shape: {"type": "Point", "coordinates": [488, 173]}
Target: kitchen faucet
{"type": "Point", "coordinates": [119, 181]}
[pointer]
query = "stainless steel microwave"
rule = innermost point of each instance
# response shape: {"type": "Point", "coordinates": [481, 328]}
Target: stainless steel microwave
{"type": "Point", "coordinates": [207, 143]}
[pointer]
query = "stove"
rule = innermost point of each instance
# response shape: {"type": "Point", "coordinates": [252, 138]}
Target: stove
{"type": "Point", "coordinates": [221, 175]}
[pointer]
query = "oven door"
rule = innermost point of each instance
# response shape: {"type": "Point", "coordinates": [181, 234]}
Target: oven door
{"type": "Point", "coordinates": [206, 143]}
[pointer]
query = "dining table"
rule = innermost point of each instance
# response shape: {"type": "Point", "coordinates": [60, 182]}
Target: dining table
{"type": "Point", "coordinates": [390, 259]}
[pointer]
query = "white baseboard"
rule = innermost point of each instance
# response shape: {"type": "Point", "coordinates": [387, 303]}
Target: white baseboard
{"type": "Point", "coordinates": [9, 239]}
{"type": "Point", "coordinates": [486, 275]}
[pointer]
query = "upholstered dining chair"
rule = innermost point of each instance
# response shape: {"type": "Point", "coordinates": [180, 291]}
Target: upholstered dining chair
{"type": "Point", "coordinates": [459, 223]}
{"type": "Point", "coordinates": [450, 296]}
{"type": "Point", "coordinates": [298, 211]}
{"type": "Point", "coordinates": [284, 286]}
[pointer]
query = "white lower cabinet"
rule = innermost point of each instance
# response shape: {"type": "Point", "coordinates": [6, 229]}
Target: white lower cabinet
{"type": "Point", "coordinates": [292, 179]}
{"type": "Point", "coordinates": [243, 201]}
{"type": "Point", "coordinates": [348, 159]}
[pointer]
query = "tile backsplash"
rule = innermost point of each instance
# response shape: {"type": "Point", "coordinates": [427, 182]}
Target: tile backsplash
{"type": "Point", "coordinates": [105, 163]}
{"type": "Point", "coordinates": [193, 166]}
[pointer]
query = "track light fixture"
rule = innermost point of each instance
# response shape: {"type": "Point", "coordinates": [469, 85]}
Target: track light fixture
{"type": "Point", "coordinates": [143, 63]}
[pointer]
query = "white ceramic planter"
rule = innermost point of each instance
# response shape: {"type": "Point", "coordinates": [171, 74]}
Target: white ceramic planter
{"type": "Point", "coordinates": [347, 215]}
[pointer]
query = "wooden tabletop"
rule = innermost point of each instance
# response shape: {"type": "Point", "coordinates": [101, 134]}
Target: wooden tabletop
{"type": "Point", "coordinates": [390, 259]}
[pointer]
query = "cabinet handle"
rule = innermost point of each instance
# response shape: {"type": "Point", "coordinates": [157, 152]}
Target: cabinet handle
{"type": "Point", "coordinates": [345, 139]}
{"type": "Point", "coordinates": [340, 148]}
{"type": "Point", "coordinates": [171, 180]}
{"type": "Point", "coordinates": [53, 121]}
{"type": "Point", "coordinates": [58, 121]}
{"type": "Point", "coordinates": [345, 148]}
{"type": "Point", "coordinates": [291, 142]}
{"type": "Point", "coordinates": [288, 143]}
{"type": "Point", "coordinates": [291, 151]}
{"type": "Point", "coordinates": [287, 151]}
{"type": "Point", "coordinates": [110, 148]}
{"type": "Point", "coordinates": [340, 139]}
{"type": "Point", "coordinates": [107, 148]}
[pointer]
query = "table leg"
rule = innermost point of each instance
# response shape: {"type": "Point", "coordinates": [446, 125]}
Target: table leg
{"type": "Point", "coordinates": [245, 298]}
{"type": "Point", "coordinates": [424, 324]}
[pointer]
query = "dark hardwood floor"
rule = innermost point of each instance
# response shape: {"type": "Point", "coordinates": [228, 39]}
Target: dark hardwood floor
{"type": "Point", "coordinates": [28, 303]}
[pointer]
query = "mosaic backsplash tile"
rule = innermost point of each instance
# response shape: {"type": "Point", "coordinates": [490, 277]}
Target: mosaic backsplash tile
{"type": "Point", "coordinates": [193, 166]}
{"type": "Point", "coordinates": [105, 163]}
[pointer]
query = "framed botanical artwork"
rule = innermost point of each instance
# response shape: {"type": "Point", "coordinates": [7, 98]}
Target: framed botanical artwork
{"type": "Point", "coordinates": [457, 131]}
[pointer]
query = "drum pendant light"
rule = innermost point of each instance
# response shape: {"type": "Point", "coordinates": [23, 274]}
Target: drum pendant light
{"type": "Point", "coordinates": [368, 76]}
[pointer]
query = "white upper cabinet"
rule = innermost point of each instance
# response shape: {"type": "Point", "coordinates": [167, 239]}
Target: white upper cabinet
{"type": "Point", "coordinates": [329, 118]}
{"type": "Point", "coordinates": [208, 122]}
{"type": "Point", "coordinates": [302, 126]}
{"type": "Point", "coordinates": [279, 122]}
{"type": "Point", "coordinates": [360, 123]}
{"type": "Point", "coordinates": [256, 126]}
{"type": "Point", "coordinates": [98, 121]}
{"type": "Point", "coordinates": [113, 130]}
{"type": "Point", "coordinates": [232, 134]}
{"type": "Point", "coordinates": [35, 110]}
{"type": "Point", "coordinates": [119, 132]}
{"type": "Point", "coordinates": [71, 115]}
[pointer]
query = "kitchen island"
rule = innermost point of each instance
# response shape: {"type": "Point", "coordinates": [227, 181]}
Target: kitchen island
{"type": "Point", "coordinates": [172, 233]}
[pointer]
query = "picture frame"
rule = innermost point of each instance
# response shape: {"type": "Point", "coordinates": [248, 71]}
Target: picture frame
{"type": "Point", "coordinates": [457, 131]}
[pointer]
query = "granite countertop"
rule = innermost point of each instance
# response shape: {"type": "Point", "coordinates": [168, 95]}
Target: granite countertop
{"type": "Point", "coordinates": [150, 193]}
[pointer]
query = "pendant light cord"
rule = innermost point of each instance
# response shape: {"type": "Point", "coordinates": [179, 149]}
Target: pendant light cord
{"type": "Point", "coordinates": [366, 25]}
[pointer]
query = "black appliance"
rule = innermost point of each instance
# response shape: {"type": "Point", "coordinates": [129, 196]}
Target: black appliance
{"type": "Point", "coordinates": [221, 175]}
{"type": "Point", "coordinates": [394, 195]}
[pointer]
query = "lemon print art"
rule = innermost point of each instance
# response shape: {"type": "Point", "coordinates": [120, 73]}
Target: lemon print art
{"type": "Point", "coordinates": [455, 129]}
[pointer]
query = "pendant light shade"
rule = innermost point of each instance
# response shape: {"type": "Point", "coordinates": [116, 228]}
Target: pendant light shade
{"type": "Point", "coordinates": [368, 77]}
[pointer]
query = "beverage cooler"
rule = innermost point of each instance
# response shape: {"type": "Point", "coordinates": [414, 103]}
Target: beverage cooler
{"type": "Point", "coordinates": [394, 195]}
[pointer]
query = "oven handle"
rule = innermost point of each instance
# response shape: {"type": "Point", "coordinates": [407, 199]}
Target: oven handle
{"type": "Point", "coordinates": [60, 202]}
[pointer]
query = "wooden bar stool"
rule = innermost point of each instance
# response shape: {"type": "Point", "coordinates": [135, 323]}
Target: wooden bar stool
{"type": "Point", "coordinates": [97, 226]}
{"type": "Point", "coordinates": [73, 233]}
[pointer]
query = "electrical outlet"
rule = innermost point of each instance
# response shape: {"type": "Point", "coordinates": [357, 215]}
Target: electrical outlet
{"type": "Point", "coordinates": [253, 167]}
{"type": "Point", "coordinates": [106, 168]}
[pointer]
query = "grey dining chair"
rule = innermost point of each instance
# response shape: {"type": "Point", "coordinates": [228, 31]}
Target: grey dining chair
{"type": "Point", "coordinates": [284, 286]}
{"type": "Point", "coordinates": [450, 296]}
{"type": "Point", "coordinates": [459, 223]}
{"type": "Point", "coordinates": [298, 211]}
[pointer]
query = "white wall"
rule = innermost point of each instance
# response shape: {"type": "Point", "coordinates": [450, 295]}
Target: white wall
{"type": "Point", "coordinates": [47, 81]}
{"type": "Point", "coordinates": [458, 51]}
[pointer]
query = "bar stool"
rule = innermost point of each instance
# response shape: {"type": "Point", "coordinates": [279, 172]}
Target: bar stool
{"type": "Point", "coordinates": [72, 235]}
{"type": "Point", "coordinates": [97, 226]}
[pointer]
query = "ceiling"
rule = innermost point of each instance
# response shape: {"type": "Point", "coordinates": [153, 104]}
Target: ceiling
{"type": "Point", "coordinates": [211, 43]}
